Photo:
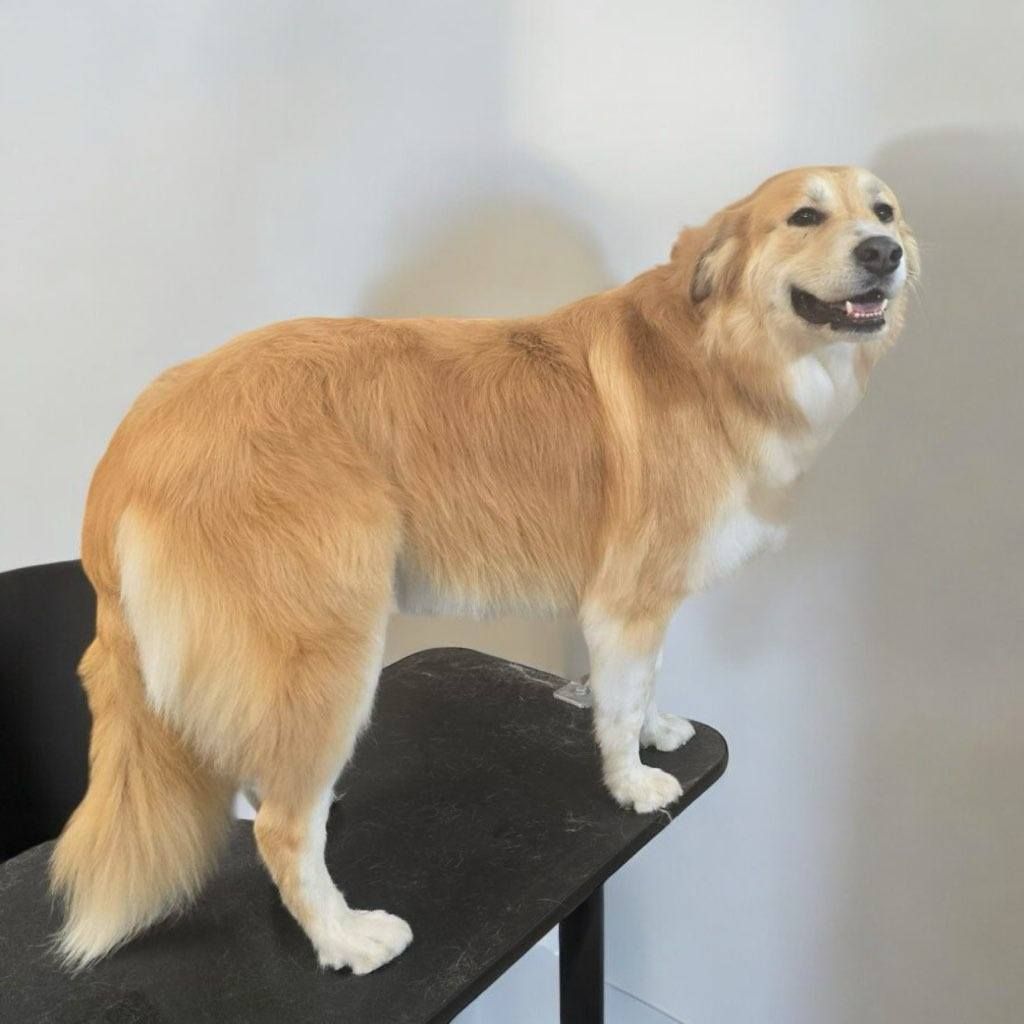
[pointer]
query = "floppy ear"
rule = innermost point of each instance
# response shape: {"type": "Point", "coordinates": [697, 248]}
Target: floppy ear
{"type": "Point", "coordinates": [712, 256]}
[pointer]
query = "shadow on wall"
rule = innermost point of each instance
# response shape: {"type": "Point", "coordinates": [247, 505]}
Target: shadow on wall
{"type": "Point", "coordinates": [934, 894]}
{"type": "Point", "coordinates": [502, 257]}
{"type": "Point", "coordinates": [861, 859]}
{"type": "Point", "coordinates": [505, 256]}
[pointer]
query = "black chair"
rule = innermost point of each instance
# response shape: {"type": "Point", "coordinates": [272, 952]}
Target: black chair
{"type": "Point", "coordinates": [47, 618]}
{"type": "Point", "coordinates": [473, 808]}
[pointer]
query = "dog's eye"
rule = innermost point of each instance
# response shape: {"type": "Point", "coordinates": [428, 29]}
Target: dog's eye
{"type": "Point", "coordinates": [883, 211]}
{"type": "Point", "coordinates": [806, 217]}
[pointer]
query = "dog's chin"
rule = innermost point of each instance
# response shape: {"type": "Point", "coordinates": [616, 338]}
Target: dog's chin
{"type": "Point", "coordinates": [863, 313]}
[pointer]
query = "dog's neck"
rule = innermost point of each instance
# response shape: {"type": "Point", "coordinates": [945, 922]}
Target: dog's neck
{"type": "Point", "coordinates": [739, 362]}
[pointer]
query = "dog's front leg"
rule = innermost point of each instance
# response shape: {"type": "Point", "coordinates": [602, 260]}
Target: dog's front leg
{"type": "Point", "coordinates": [661, 729]}
{"type": "Point", "coordinates": [623, 661]}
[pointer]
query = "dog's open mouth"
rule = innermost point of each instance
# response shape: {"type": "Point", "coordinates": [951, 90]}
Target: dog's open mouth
{"type": "Point", "coordinates": [864, 312]}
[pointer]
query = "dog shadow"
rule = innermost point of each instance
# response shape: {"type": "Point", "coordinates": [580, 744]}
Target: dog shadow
{"type": "Point", "coordinates": [932, 869]}
{"type": "Point", "coordinates": [868, 677]}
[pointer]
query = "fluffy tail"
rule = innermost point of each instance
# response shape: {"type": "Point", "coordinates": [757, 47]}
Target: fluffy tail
{"type": "Point", "coordinates": [148, 831]}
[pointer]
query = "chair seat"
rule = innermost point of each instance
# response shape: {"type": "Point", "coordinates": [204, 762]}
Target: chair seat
{"type": "Point", "coordinates": [473, 808]}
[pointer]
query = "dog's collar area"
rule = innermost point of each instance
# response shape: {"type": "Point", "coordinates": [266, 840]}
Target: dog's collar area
{"type": "Point", "coordinates": [863, 312]}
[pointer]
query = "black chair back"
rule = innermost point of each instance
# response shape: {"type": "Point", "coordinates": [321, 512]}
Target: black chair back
{"type": "Point", "coordinates": [47, 619]}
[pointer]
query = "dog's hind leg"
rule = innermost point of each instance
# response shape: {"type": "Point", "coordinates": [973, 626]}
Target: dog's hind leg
{"type": "Point", "coordinates": [309, 748]}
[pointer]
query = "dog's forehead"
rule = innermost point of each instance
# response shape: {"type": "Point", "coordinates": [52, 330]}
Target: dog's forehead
{"type": "Point", "coordinates": [868, 184]}
{"type": "Point", "coordinates": [866, 187]}
{"type": "Point", "coordinates": [844, 191]}
{"type": "Point", "coordinates": [828, 187]}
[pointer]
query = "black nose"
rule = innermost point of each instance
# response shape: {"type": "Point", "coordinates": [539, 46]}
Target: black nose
{"type": "Point", "coordinates": [878, 254]}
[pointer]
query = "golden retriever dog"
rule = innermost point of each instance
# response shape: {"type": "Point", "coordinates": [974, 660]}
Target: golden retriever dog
{"type": "Point", "coordinates": [262, 510]}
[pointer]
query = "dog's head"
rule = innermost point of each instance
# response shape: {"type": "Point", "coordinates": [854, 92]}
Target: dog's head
{"type": "Point", "coordinates": [813, 253]}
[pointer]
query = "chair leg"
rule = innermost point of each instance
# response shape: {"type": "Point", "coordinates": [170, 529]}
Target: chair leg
{"type": "Point", "coordinates": [581, 962]}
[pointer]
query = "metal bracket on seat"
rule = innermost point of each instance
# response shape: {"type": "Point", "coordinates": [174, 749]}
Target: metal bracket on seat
{"type": "Point", "coordinates": [576, 692]}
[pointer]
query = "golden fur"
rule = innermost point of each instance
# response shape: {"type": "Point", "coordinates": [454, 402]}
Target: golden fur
{"type": "Point", "coordinates": [260, 510]}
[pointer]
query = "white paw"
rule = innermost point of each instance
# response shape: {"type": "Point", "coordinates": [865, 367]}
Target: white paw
{"type": "Point", "coordinates": [670, 732]}
{"type": "Point", "coordinates": [362, 939]}
{"type": "Point", "coordinates": [645, 789]}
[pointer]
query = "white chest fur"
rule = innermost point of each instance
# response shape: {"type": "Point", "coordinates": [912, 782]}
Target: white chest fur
{"type": "Point", "coordinates": [826, 388]}
{"type": "Point", "coordinates": [736, 535]}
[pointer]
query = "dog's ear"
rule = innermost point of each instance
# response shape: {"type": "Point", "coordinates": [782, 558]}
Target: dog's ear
{"type": "Point", "coordinates": [712, 256]}
{"type": "Point", "coordinates": [910, 247]}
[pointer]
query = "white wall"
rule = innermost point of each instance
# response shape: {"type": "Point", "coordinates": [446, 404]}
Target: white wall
{"type": "Point", "coordinates": [175, 173]}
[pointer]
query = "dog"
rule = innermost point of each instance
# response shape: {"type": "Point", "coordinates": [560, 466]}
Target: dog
{"type": "Point", "coordinates": [262, 510]}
